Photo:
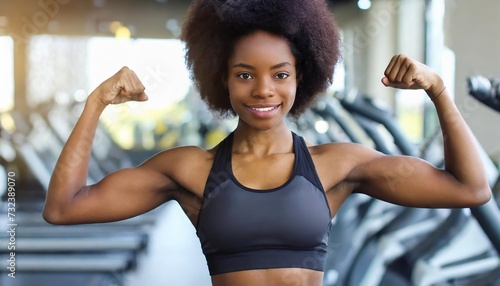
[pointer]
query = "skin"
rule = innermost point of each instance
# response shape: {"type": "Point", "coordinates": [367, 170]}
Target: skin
{"type": "Point", "coordinates": [262, 73]}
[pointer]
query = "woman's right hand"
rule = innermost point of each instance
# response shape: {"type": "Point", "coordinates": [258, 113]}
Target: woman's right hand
{"type": "Point", "coordinates": [121, 87]}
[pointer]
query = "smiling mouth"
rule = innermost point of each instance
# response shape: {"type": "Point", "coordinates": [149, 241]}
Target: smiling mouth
{"type": "Point", "coordinates": [264, 109]}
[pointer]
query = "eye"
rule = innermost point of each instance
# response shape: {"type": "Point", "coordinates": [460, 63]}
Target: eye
{"type": "Point", "coordinates": [282, 75]}
{"type": "Point", "coordinates": [245, 76]}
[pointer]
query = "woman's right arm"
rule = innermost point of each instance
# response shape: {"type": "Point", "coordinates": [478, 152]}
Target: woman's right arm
{"type": "Point", "coordinates": [121, 194]}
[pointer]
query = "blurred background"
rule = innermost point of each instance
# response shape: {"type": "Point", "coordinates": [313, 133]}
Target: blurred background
{"type": "Point", "coordinates": [53, 53]}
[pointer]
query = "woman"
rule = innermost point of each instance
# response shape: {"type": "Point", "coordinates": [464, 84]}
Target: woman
{"type": "Point", "coordinates": [262, 200]}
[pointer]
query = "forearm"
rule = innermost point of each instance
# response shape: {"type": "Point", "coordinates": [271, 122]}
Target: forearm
{"type": "Point", "coordinates": [462, 157]}
{"type": "Point", "coordinates": [70, 172]}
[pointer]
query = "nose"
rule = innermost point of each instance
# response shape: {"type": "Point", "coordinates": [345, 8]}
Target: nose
{"type": "Point", "coordinates": [263, 88]}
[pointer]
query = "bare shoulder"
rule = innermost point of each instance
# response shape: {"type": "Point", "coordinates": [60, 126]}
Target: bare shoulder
{"type": "Point", "coordinates": [188, 166]}
{"type": "Point", "coordinates": [343, 151]}
{"type": "Point", "coordinates": [179, 160]}
{"type": "Point", "coordinates": [335, 161]}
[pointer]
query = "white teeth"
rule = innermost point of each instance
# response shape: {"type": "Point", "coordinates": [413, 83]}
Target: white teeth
{"type": "Point", "coordinates": [263, 109]}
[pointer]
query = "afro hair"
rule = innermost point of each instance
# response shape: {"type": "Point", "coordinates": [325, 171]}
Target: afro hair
{"type": "Point", "coordinates": [212, 28]}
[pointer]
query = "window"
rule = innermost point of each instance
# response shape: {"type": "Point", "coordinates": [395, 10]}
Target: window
{"type": "Point", "coordinates": [6, 73]}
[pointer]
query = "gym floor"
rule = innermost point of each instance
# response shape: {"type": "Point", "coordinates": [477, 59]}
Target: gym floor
{"type": "Point", "coordinates": [173, 256]}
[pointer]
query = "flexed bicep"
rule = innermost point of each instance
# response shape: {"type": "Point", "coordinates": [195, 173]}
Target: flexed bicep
{"type": "Point", "coordinates": [411, 181]}
{"type": "Point", "coordinates": [120, 195]}
{"type": "Point", "coordinates": [132, 191]}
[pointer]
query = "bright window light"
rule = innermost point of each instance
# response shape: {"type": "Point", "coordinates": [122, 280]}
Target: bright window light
{"type": "Point", "coordinates": [159, 64]}
{"type": "Point", "coordinates": [321, 126]}
{"type": "Point", "coordinates": [364, 4]}
{"type": "Point", "coordinates": [6, 74]}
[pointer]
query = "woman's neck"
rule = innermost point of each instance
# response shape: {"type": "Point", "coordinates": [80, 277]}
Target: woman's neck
{"type": "Point", "coordinates": [262, 142]}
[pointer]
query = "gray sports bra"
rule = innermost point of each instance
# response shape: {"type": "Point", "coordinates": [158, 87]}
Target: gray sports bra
{"type": "Point", "coordinates": [242, 229]}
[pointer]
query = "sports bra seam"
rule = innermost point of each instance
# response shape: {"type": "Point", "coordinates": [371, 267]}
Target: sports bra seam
{"type": "Point", "coordinates": [206, 193]}
{"type": "Point", "coordinates": [213, 169]}
{"type": "Point", "coordinates": [252, 249]}
{"type": "Point", "coordinates": [316, 176]}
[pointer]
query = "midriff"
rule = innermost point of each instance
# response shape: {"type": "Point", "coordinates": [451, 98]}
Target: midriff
{"type": "Point", "coordinates": [270, 277]}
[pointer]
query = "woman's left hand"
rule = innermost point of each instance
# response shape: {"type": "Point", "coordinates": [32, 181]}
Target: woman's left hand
{"type": "Point", "coordinates": [406, 73]}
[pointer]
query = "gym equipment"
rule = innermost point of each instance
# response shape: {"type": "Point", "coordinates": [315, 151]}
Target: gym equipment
{"type": "Point", "coordinates": [106, 154]}
{"type": "Point", "coordinates": [69, 269]}
{"type": "Point", "coordinates": [485, 90]}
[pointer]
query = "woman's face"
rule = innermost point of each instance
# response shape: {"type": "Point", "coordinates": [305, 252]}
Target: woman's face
{"type": "Point", "coordinates": [262, 79]}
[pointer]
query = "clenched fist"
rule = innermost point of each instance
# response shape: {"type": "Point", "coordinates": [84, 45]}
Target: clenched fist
{"type": "Point", "coordinates": [406, 73]}
{"type": "Point", "coordinates": [121, 87]}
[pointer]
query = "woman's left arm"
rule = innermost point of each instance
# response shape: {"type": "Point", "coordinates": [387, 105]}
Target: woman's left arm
{"type": "Point", "coordinates": [411, 181]}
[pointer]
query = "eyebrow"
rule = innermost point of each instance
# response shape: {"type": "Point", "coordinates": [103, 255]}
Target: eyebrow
{"type": "Point", "coordinates": [277, 66]}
